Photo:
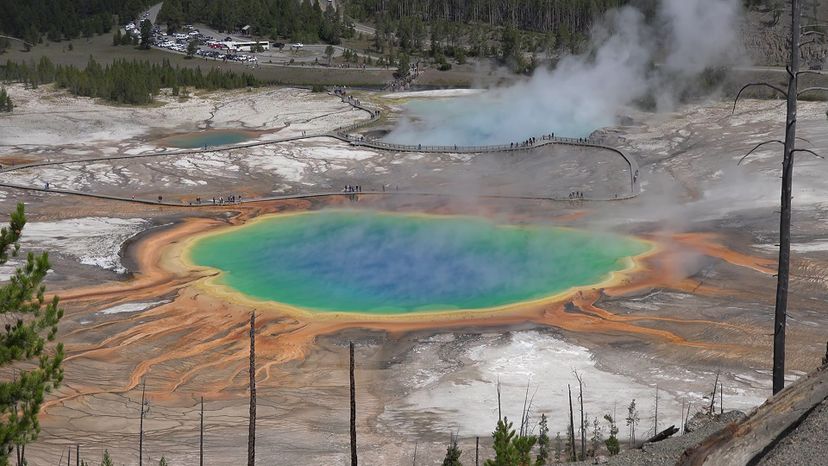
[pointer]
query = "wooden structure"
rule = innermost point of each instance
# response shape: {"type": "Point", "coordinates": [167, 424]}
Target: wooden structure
{"type": "Point", "coordinates": [748, 441]}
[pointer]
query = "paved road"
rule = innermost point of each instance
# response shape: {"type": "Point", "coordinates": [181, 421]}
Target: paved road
{"type": "Point", "coordinates": [304, 57]}
{"type": "Point", "coordinates": [153, 11]}
{"type": "Point", "coordinates": [365, 29]}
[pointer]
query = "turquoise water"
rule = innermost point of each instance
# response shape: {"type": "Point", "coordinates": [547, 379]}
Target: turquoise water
{"type": "Point", "coordinates": [210, 138]}
{"type": "Point", "coordinates": [493, 118]}
{"type": "Point", "coordinates": [370, 262]}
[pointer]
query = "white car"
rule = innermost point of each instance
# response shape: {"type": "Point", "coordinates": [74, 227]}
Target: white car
{"type": "Point", "coordinates": [298, 45]}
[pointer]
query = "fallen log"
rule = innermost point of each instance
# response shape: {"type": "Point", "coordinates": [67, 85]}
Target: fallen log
{"type": "Point", "coordinates": [748, 441]}
{"type": "Point", "coordinates": [664, 434]}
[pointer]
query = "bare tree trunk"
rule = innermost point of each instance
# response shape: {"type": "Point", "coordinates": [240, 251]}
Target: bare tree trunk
{"type": "Point", "coordinates": [523, 416]}
{"type": "Point", "coordinates": [499, 413]}
{"type": "Point", "coordinates": [141, 424]}
{"type": "Point", "coordinates": [354, 461]}
{"type": "Point", "coordinates": [781, 310]}
{"type": "Point", "coordinates": [69, 458]}
{"type": "Point", "coordinates": [477, 451]}
{"type": "Point", "coordinates": [251, 435]}
{"type": "Point", "coordinates": [201, 436]}
{"type": "Point", "coordinates": [689, 406]}
{"type": "Point", "coordinates": [77, 455]}
{"type": "Point", "coordinates": [655, 421]}
{"type": "Point", "coordinates": [712, 409]}
{"type": "Point", "coordinates": [574, 453]}
{"type": "Point", "coordinates": [583, 427]}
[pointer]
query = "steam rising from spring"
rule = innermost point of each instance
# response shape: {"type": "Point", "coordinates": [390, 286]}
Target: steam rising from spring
{"type": "Point", "coordinates": [585, 92]}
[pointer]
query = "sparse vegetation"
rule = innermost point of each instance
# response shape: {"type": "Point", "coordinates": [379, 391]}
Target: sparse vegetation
{"type": "Point", "coordinates": [543, 442]}
{"type": "Point", "coordinates": [107, 460]}
{"type": "Point", "coordinates": [32, 324]}
{"type": "Point", "coordinates": [6, 104]}
{"type": "Point", "coordinates": [632, 420]}
{"type": "Point", "coordinates": [613, 447]}
{"type": "Point", "coordinates": [122, 82]}
{"type": "Point", "coordinates": [63, 19]}
{"type": "Point", "coordinates": [453, 454]}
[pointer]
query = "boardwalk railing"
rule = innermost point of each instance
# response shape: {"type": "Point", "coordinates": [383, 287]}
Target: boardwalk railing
{"type": "Point", "coordinates": [342, 133]}
{"type": "Point", "coordinates": [378, 144]}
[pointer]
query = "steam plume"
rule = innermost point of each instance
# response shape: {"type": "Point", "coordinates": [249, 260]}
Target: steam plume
{"type": "Point", "coordinates": [585, 92]}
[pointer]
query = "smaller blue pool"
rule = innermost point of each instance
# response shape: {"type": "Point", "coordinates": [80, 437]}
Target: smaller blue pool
{"type": "Point", "coordinates": [208, 138]}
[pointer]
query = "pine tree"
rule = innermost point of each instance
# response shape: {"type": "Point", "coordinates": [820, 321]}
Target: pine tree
{"type": "Point", "coordinates": [146, 32]}
{"type": "Point", "coordinates": [35, 323]}
{"type": "Point", "coordinates": [505, 452]}
{"type": "Point", "coordinates": [163, 462]}
{"type": "Point", "coordinates": [632, 419]}
{"type": "Point", "coordinates": [597, 437]}
{"type": "Point", "coordinates": [192, 48]}
{"type": "Point", "coordinates": [453, 453]}
{"type": "Point", "coordinates": [613, 447]}
{"type": "Point", "coordinates": [404, 66]}
{"type": "Point", "coordinates": [543, 442]}
{"type": "Point", "coordinates": [107, 460]}
{"type": "Point", "coordinates": [523, 445]}
{"type": "Point", "coordinates": [558, 447]}
{"type": "Point", "coordinates": [6, 104]}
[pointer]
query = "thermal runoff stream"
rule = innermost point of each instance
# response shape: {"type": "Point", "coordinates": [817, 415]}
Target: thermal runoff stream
{"type": "Point", "coordinates": [385, 263]}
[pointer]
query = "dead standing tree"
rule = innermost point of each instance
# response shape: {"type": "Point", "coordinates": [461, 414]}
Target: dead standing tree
{"type": "Point", "coordinates": [251, 435]}
{"type": "Point", "coordinates": [580, 380]}
{"type": "Point", "coordinates": [353, 405]}
{"type": "Point", "coordinates": [789, 144]}
{"type": "Point", "coordinates": [201, 435]}
{"type": "Point", "coordinates": [573, 453]}
{"type": "Point", "coordinates": [144, 410]}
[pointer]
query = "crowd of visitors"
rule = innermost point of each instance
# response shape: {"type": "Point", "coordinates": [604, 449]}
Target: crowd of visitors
{"type": "Point", "coordinates": [221, 200]}
{"type": "Point", "coordinates": [403, 83]}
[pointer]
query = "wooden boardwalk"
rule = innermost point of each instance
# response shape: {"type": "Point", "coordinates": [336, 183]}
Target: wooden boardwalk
{"type": "Point", "coordinates": [342, 134]}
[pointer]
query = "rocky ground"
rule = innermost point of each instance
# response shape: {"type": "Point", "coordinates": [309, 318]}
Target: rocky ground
{"type": "Point", "coordinates": [707, 311]}
{"type": "Point", "coordinates": [805, 444]}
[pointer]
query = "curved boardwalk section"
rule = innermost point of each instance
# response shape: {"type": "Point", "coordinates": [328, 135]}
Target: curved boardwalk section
{"type": "Point", "coordinates": [343, 133]}
{"type": "Point", "coordinates": [549, 168]}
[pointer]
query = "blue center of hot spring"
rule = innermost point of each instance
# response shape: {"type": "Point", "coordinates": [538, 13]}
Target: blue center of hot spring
{"type": "Point", "coordinates": [369, 262]}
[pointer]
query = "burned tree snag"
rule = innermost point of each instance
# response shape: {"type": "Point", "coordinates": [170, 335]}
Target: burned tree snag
{"type": "Point", "coordinates": [353, 407]}
{"type": "Point", "coordinates": [141, 424]}
{"type": "Point", "coordinates": [251, 435]}
{"type": "Point", "coordinates": [583, 426]}
{"type": "Point", "coordinates": [573, 454]}
{"type": "Point", "coordinates": [201, 435]}
{"type": "Point", "coordinates": [781, 308]}
{"type": "Point", "coordinates": [783, 275]}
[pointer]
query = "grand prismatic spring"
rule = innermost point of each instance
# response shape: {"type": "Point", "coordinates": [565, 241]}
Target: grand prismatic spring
{"type": "Point", "coordinates": [381, 263]}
